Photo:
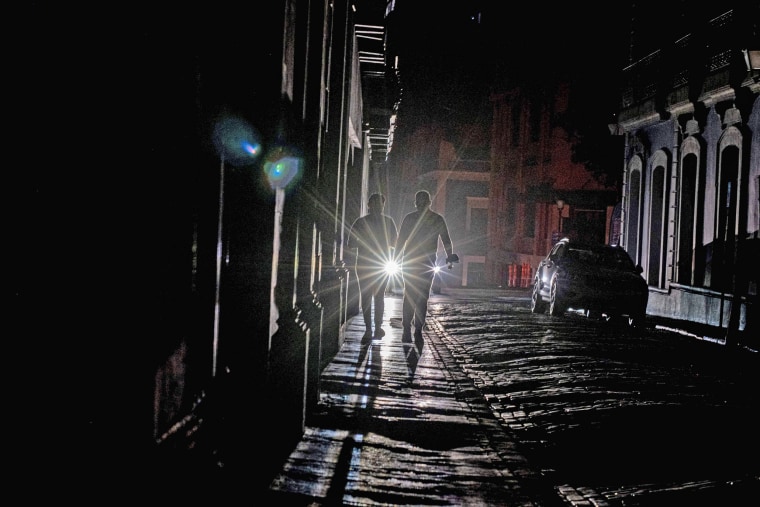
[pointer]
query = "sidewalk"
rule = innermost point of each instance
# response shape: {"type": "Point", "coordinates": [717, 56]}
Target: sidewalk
{"type": "Point", "coordinates": [402, 424]}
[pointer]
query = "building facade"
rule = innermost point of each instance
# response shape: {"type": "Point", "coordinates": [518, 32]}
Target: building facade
{"type": "Point", "coordinates": [537, 194]}
{"type": "Point", "coordinates": [205, 275]}
{"type": "Point", "coordinates": [690, 118]}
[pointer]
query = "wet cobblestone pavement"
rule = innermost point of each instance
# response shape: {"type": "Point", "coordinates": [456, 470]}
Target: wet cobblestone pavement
{"type": "Point", "coordinates": [613, 415]}
{"type": "Point", "coordinates": [397, 426]}
{"type": "Point", "coordinates": [499, 406]}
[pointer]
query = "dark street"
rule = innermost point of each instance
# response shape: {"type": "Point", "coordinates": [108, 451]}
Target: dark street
{"type": "Point", "coordinates": [643, 417]}
{"type": "Point", "coordinates": [192, 302]}
{"type": "Point", "coordinates": [505, 407]}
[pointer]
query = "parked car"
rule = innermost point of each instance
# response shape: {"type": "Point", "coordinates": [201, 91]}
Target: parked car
{"type": "Point", "coordinates": [600, 280]}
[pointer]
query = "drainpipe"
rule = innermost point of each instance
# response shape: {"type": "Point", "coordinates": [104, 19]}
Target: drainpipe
{"type": "Point", "coordinates": [673, 205]}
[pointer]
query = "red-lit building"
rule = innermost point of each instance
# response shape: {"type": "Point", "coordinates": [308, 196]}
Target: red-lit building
{"type": "Point", "coordinates": [454, 167]}
{"type": "Point", "coordinates": [500, 190]}
{"type": "Point", "coordinates": [537, 193]}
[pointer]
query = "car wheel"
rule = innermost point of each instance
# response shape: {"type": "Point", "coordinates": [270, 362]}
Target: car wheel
{"type": "Point", "coordinates": [556, 307]}
{"type": "Point", "coordinates": [537, 305]}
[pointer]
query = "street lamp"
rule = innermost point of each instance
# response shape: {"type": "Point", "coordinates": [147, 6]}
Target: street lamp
{"type": "Point", "coordinates": [560, 205]}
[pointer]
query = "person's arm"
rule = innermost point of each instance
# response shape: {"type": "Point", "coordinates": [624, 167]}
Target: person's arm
{"type": "Point", "coordinates": [352, 242]}
{"type": "Point", "coordinates": [448, 246]}
{"type": "Point", "coordinates": [403, 236]}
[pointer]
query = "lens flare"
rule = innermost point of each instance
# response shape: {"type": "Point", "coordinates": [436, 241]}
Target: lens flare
{"type": "Point", "coordinates": [282, 168]}
{"type": "Point", "coordinates": [392, 267]}
{"type": "Point", "coordinates": [236, 141]}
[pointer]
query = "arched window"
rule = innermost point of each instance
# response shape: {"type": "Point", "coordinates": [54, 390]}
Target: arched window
{"type": "Point", "coordinates": [633, 211]}
{"type": "Point", "coordinates": [658, 210]}
{"type": "Point", "coordinates": [727, 209]}
{"type": "Point", "coordinates": [691, 258]}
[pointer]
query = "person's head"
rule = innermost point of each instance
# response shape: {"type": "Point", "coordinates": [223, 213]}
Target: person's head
{"type": "Point", "coordinates": [376, 203]}
{"type": "Point", "coordinates": [422, 199]}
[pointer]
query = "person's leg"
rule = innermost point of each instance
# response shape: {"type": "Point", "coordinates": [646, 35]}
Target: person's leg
{"type": "Point", "coordinates": [379, 296]}
{"type": "Point", "coordinates": [407, 308]}
{"type": "Point", "coordinates": [421, 302]}
{"type": "Point", "coordinates": [414, 279]}
{"type": "Point", "coordinates": [418, 317]}
{"type": "Point", "coordinates": [365, 301]}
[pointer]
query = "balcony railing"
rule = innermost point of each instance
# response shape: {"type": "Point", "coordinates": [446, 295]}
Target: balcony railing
{"type": "Point", "coordinates": [692, 57]}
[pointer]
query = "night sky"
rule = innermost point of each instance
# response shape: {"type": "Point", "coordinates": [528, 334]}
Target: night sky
{"type": "Point", "coordinates": [452, 54]}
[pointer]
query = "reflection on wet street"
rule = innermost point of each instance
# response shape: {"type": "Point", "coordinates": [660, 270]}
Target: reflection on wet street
{"type": "Point", "coordinates": [395, 427]}
{"type": "Point", "coordinates": [642, 417]}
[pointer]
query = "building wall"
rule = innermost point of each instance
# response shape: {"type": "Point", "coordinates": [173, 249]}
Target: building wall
{"type": "Point", "coordinates": [692, 163]}
{"type": "Point", "coordinates": [532, 169]}
{"type": "Point", "coordinates": [444, 163]}
{"type": "Point", "coordinates": [193, 277]}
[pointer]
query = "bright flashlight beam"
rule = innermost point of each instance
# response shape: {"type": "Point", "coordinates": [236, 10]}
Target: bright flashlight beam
{"type": "Point", "coordinates": [392, 267]}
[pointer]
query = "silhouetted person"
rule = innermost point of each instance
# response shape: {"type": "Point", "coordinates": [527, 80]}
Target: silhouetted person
{"type": "Point", "coordinates": [374, 236]}
{"type": "Point", "coordinates": [416, 247]}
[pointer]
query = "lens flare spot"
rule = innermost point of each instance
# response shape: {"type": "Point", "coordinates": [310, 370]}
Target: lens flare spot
{"type": "Point", "coordinates": [283, 171]}
{"type": "Point", "coordinates": [251, 149]}
{"type": "Point", "coordinates": [238, 142]}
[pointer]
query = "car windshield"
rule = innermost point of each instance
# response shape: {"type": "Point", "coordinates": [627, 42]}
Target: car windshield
{"type": "Point", "coordinates": [601, 257]}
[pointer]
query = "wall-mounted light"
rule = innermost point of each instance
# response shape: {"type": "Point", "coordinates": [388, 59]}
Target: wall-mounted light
{"type": "Point", "coordinates": [560, 205]}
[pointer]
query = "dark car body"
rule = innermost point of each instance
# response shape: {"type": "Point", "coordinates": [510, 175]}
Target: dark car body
{"type": "Point", "coordinates": [599, 279]}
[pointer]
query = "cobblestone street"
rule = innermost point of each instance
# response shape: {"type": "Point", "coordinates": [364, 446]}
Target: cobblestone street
{"type": "Point", "coordinates": [638, 417]}
{"type": "Point", "coordinates": [499, 406]}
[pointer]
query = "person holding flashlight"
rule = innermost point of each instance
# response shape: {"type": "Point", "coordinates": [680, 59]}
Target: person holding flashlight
{"type": "Point", "coordinates": [374, 237]}
{"type": "Point", "coordinates": [416, 247]}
